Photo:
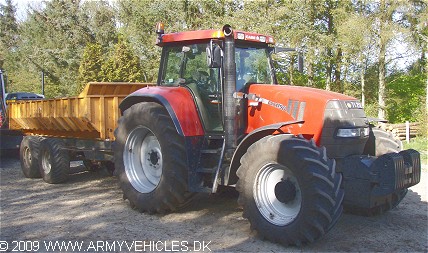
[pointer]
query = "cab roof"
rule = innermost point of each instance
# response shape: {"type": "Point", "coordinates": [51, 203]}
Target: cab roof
{"type": "Point", "coordinates": [194, 36]}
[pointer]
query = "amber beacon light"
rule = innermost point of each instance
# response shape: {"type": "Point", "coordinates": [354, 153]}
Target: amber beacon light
{"type": "Point", "coordinates": [160, 28]}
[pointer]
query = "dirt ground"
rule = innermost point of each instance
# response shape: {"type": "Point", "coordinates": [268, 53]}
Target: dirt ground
{"type": "Point", "coordinates": [89, 208]}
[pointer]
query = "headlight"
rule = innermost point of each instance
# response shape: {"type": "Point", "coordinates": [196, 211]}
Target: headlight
{"type": "Point", "coordinates": [353, 132]}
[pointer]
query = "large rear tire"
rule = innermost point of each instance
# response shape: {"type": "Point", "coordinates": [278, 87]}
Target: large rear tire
{"type": "Point", "coordinates": [150, 159]}
{"type": "Point", "coordinates": [380, 142]}
{"type": "Point", "coordinates": [54, 162]}
{"type": "Point", "coordinates": [29, 156]}
{"type": "Point", "coordinates": [289, 189]}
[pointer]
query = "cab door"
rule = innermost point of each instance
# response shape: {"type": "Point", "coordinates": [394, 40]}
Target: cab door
{"type": "Point", "coordinates": [187, 66]}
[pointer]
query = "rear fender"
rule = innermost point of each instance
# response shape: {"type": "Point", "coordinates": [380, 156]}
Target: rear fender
{"type": "Point", "coordinates": [230, 174]}
{"type": "Point", "coordinates": [177, 101]}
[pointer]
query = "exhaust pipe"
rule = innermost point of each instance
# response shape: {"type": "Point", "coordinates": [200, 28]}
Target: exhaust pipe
{"type": "Point", "coordinates": [229, 106]}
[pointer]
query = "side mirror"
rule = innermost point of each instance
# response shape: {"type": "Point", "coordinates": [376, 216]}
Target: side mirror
{"type": "Point", "coordinates": [299, 56]}
{"type": "Point", "coordinates": [214, 54]}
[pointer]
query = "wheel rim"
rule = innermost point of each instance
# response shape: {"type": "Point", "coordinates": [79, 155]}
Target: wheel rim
{"type": "Point", "coordinates": [27, 156]}
{"type": "Point", "coordinates": [277, 194]}
{"type": "Point", "coordinates": [142, 158]}
{"type": "Point", "coordinates": [46, 164]}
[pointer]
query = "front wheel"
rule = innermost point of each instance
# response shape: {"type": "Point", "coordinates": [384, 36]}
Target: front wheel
{"type": "Point", "coordinates": [150, 159]}
{"type": "Point", "coordinates": [289, 190]}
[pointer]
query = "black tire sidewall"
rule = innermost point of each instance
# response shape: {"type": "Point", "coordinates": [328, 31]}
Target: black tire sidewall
{"type": "Point", "coordinates": [32, 144]}
{"type": "Point", "coordinates": [301, 229]}
{"type": "Point", "coordinates": [59, 160]}
{"type": "Point", "coordinates": [140, 115]}
{"type": "Point", "coordinates": [296, 167]}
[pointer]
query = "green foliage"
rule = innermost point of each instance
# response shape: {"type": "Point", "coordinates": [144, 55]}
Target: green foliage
{"type": "Point", "coordinates": [102, 22]}
{"type": "Point", "coordinates": [406, 94]}
{"type": "Point", "coordinates": [371, 110]}
{"type": "Point", "coordinates": [90, 66]}
{"type": "Point", "coordinates": [122, 65]}
{"type": "Point", "coordinates": [420, 144]}
{"type": "Point", "coordinates": [52, 41]}
{"type": "Point", "coordinates": [8, 25]}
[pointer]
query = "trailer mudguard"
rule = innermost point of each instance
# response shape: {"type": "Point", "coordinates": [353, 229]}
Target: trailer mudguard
{"type": "Point", "coordinates": [179, 103]}
{"type": "Point", "coordinates": [230, 175]}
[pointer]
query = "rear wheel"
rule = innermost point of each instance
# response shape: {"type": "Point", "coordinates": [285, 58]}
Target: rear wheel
{"type": "Point", "coordinates": [150, 159]}
{"type": "Point", "coordinates": [289, 190]}
{"type": "Point", "coordinates": [54, 162]}
{"type": "Point", "coordinates": [380, 142]}
{"type": "Point", "coordinates": [29, 155]}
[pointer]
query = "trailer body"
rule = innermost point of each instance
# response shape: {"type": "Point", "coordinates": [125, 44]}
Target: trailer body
{"type": "Point", "coordinates": [92, 115]}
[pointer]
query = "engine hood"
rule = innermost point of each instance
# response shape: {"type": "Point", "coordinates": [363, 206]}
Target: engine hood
{"type": "Point", "coordinates": [269, 104]}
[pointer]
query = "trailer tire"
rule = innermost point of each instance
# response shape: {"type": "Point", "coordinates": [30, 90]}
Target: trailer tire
{"type": "Point", "coordinates": [289, 189]}
{"type": "Point", "coordinates": [380, 142]}
{"type": "Point", "coordinates": [29, 155]}
{"type": "Point", "coordinates": [54, 161]}
{"type": "Point", "coordinates": [150, 159]}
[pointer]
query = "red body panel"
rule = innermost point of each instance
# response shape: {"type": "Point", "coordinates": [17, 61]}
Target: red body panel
{"type": "Point", "coordinates": [183, 105]}
{"type": "Point", "coordinates": [315, 102]}
{"type": "Point", "coordinates": [194, 36]}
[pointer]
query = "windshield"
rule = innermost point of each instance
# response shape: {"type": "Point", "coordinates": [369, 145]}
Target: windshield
{"type": "Point", "coordinates": [252, 66]}
{"type": "Point", "coordinates": [187, 64]}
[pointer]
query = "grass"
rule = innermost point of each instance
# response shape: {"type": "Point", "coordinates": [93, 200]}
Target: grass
{"type": "Point", "coordinates": [420, 144]}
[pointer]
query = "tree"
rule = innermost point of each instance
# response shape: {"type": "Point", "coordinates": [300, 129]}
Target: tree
{"type": "Point", "coordinates": [53, 39]}
{"type": "Point", "coordinates": [90, 65]}
{"type": "Point", "coordinates": [102, 22]}
{"type": "Point", "coordinates": [123, 65]}
{"type": "Point", "coordinates": [8, 24]}
{"type": "Point", "coordinates": [8, 31]}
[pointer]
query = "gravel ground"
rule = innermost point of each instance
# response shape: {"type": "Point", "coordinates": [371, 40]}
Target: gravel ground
{"type": "Point", "coordinates": [89, 209]}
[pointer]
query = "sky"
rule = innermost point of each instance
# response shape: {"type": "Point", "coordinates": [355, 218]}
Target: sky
{"type": "Point", "coordinates": [21, 7]}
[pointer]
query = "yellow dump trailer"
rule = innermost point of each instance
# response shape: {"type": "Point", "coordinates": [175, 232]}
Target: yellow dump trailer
{"type": "Point", "coordinates": [61, 130]}
{"type": "Point", "coordinates": [91, 115]}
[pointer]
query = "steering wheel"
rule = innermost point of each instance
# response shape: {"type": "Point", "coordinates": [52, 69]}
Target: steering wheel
{"type": "Point", "coordinates": [202, 79]}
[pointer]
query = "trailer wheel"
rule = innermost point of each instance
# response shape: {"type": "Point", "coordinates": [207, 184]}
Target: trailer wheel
{"type": "Point", "coordinates": [380, 142]}
{"type": "Point", "coordinates": [54, 162]}
{"type": "Point", "coordinates": [150, 159]}
{"type": "Point", "coordinates": [29, 154]}
{"type": "Point", "coordinates": [289, 190]}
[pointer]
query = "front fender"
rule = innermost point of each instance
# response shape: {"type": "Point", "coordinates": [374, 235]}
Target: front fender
{"type": "Point", "coordinates": [177, 101]}
{"type": "Point", "coordinates": [259, 133]}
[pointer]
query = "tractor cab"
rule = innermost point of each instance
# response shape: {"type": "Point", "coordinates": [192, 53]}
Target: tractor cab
{"type": "Point", "coordinates": [194, 60]}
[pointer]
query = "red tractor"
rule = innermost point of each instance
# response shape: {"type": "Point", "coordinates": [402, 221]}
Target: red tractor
{"type": "Point", "coordinates": [217, 117]}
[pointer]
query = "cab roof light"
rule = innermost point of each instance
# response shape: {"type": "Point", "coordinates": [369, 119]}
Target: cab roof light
{"type": "Point", "coordinates": [218, 34]}
{"type": "Point", "coordinates": [159, 31]}
{"type": "Point", "coordinates": [160, 28]}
